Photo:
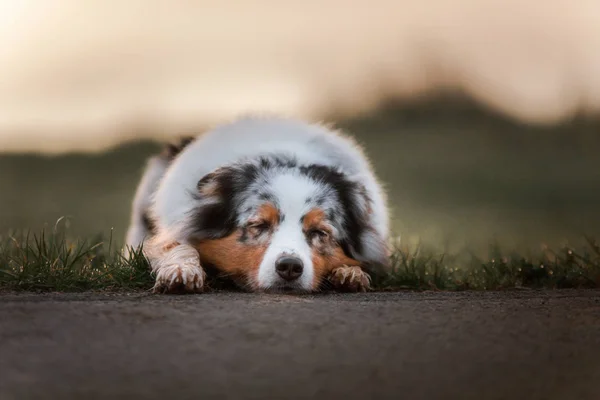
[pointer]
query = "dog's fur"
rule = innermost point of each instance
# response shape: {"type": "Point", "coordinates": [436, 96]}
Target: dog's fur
{"type": "Point", "coordinates": [246, 194]}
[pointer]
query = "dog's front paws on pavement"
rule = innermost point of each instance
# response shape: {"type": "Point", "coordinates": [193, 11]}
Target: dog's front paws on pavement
{"type": "Point", "coordinates": [350, 279]}
{"type": "Point", "coordinates": [179, 278]}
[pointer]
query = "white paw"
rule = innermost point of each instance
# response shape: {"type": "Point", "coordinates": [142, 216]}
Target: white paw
{"type": "Point", "coordinates": [351, 279]}
{"type": "Point", "coordinates": [179, 278]}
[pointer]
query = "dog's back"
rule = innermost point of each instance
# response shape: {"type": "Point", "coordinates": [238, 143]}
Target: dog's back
{"type": "Point", "coordinates": [183, 164]}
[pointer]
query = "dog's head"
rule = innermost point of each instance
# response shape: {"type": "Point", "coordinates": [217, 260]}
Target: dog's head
{"type": "Point", "coordinates": [272, 224]}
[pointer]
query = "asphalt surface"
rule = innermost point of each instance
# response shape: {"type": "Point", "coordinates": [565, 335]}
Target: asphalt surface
{"type": "Point", "coordinates": [510, 345]}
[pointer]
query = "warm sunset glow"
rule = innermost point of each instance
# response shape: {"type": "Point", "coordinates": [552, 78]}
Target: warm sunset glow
{"type": "Point", "coordinates": [74, 70]}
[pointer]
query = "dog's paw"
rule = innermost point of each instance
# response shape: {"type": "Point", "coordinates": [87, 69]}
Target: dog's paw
{"type": "Point", "coordinates": [179, 278]}
{"type": "Point", "coordinates": [350, 279]}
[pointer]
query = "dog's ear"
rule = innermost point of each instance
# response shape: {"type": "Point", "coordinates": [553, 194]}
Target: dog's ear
{"type": "Point", "coordinates": [216, 213]}
{"type": "Point", "coordinates": [374, 250]}
{"type": "Point", "coordinates": [362, 241]}
{"type": "Point", "coordinates": [218, 195]}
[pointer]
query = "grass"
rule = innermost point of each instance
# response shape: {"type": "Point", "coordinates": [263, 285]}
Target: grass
{"type": "Point", "coordinates": [52, 261]}
{"type": "Point", "coordinates": [423, 268]}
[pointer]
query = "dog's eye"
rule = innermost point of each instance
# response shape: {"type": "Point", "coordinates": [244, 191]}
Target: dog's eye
{"type": "Point", "coordinates": [258, 227]}
{"type": "Point", "coordinates": [318, 234]}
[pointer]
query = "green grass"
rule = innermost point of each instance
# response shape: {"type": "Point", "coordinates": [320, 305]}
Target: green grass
{"type": "Point", "coordinates": [555, 269]}
{"type": "Point", "coordinates": [52, 261]}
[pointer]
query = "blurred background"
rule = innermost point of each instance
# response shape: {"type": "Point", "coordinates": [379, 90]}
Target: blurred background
{"type": "Point", "coordinates": [481, 116]}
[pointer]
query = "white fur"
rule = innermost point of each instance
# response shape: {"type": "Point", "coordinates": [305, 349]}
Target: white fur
{"type": "Point", "coordinates": [251, 137]}
{"type": "Point", "coordinates": [243, 139]}
{"type": "Point", "coordinates": [137, 232]}
{"type": "Point", "coordinates": [288, 240]}
{"type": "Point", "coordinates": [179, 262]}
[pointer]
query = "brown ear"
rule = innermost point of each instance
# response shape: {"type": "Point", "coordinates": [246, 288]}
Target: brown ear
{"type": "Point", "coordinates": [218, 196]}
{"type": "Point", "coordinates": [214, 217]}
{"type": "Point", "coordinates": [210, 184]}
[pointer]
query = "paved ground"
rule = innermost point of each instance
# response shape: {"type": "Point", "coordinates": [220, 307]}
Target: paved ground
{"type": "Point", "coordinates": [512, 345]}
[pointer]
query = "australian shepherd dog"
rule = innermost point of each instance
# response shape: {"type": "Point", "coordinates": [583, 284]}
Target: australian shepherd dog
{"type": "Point", "coordinates": [273, 203]}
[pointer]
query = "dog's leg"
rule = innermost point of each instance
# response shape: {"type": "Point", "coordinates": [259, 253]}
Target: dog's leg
{"type": "Point", "coordinates": [177, 268]}
{"type": "Point", "coordinates": [350, 279]}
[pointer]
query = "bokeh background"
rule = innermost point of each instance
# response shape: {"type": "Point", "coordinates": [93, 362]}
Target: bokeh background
{"type": "Point", "coordinates": [481, 116]}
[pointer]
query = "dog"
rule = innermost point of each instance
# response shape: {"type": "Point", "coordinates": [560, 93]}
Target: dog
{"type": "Point", "coordinates": [276, 204]}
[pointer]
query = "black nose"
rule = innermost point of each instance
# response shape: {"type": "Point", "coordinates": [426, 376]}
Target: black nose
{"type": "Point", "coordinates": [289, 268]}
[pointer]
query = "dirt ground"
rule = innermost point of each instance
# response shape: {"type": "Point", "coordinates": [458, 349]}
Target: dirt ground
{"type": "Point", "coordinates": [510, 345]}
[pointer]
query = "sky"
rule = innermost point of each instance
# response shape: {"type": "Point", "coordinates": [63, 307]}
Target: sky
{"type": "Point", "coordinates": [84, 74]}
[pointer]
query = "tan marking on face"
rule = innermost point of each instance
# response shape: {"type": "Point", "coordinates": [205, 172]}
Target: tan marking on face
{"type": "Point", "coordinates": [315, 218]}
{"type": "Point", "coordinates": [265, 219]}
{"type": "Point", "coordinates": [327, 254]}
{"type": "Point", "coordinates": [232, 257]}
{"type": "Point", "coordinates": [268, 213]}
{"type": "Point", "coordinates": [237, 259]}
